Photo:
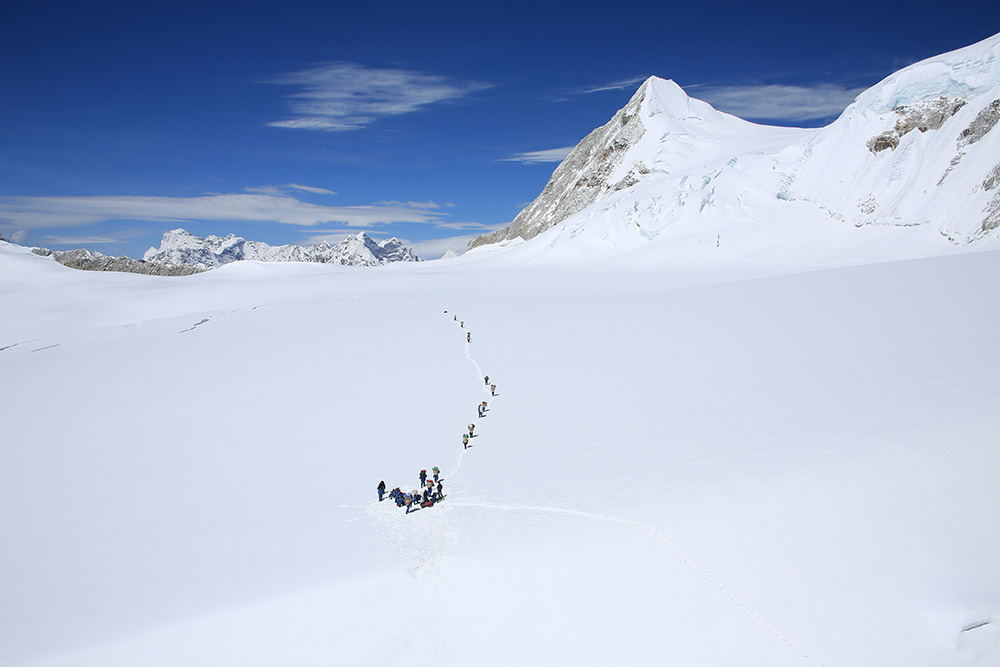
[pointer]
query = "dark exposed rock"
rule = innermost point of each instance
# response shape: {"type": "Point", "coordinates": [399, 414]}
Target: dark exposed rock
{"type": "Point", "coordinates": [951, 167]}
{"type": "Point", "coordinates": [992, 178]}
{"type": "Point", "coordinates": [929, 114]}
{"type": "Point", "coordinates": [985, 121]}
{"type": "Point", "coordinates": [886, 140]}
{"type": "Point", "coordinates": [992, 211]}
{"type": "Point", "coordinates": [86, 260]}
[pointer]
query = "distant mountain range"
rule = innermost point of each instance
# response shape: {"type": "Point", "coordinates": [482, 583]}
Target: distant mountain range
{"type": "Point", "coordinates": [912, 164]}
{"type": "Point", "coordinates": [179, 248]}
{"type": "Point", "coordinates": [88, 260]}
{"type": "Point", "coordinates": [181, 253]}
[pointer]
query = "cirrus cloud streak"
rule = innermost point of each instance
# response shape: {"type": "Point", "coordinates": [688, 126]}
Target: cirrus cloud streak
{"type": "Point", "coordinates": [340, 96]}
{"type": "Point", "coordinates": [539, 157]}
{"type": "Point", "coordinates": [777, 101]}
{"type": "Point", "coordinates": [47, 212]}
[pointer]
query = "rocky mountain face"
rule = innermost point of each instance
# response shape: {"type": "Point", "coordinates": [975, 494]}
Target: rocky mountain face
{"type": "Point", "coordinates": [583, 177]}
{"type": "Point", "coordinates": [912, 163]}
{"type": "Point", "coordinates": [86, 260]}
{"type": "Point", "coordinates": [180, 248]}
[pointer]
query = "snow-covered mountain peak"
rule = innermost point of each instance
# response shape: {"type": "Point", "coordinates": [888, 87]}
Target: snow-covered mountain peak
{"type": "Point", "coordinates": [660, 130]}
{"type": "Point", "coordinates": [180, 238]}
{"type": "Point", "coordinates": [589, 172]}
{"type": "Point", "coordinates": [665, 97]}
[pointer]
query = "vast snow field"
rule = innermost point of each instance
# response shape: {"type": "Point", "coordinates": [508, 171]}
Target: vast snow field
{"type": "Point", "coordinates": [787, 470]}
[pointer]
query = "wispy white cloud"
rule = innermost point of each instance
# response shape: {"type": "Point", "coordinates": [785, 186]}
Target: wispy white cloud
{"type": "Point", "coordinates": [310, 188]}
{"type": "Point", "coordinates": [20, 213]}
{"type": "Point", "coordinates": [537, 157]}
{"type": "Point", "coordinates": [624, 84]}
{"type": "Point", "coordinates": [468, 225]}
{"type": "Point", "coordinates": [336, 97]}
{"type": "Point", "coordinates": [77, 240]}
{"type": "Point", "coordinates": [415, 204]}
{"type": "Point", "coordinates": [778, 102]}
{"type": "Point", "coordinates": [276, 190]}
{"type": "Point", "coordinates": [269, 190]}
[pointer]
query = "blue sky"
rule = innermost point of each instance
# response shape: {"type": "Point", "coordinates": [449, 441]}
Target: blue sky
{"type": "Point", "coordinates": [293, 122]}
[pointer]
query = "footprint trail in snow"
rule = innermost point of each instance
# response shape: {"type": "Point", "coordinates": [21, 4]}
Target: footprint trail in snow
{"type": "Point", "coordinates": [427, 545]}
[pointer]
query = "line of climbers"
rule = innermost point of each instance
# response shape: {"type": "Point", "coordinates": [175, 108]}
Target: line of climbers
{"type": "Point", "coordinates": [432, 490]}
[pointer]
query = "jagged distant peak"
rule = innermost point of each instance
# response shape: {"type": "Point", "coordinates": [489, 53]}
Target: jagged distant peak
{"type": "Point", "coordinates": [184, 236]}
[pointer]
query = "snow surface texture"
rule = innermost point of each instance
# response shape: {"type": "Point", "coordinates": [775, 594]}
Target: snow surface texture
{"type": "Point", "coordinates": [180, 248]}
{"type": "Point", "coordinates": [797, 470]}
{"type": "Point", "coordinates": [908, 163]}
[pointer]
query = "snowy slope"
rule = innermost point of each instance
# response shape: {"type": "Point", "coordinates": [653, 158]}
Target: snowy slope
{"type": "Point", "coordinates": [909, 170]}
{"type": "Point", "coordinates": [790, 471]}
{"type": "Point", "coordinates": [941, 115]}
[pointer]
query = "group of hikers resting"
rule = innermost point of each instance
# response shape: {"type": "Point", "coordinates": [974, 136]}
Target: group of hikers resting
{"type": "Point", "coordinates": [433, 491]}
